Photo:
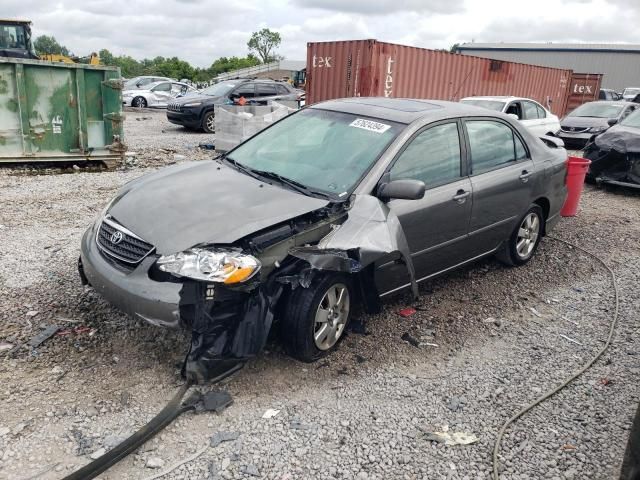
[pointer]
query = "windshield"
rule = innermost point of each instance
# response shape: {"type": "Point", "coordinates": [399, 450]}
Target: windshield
{"type": "Point", "coordinates": [219, 89]}
{"type": "Point", "coordinates": [490, 104]}
{"type": "Point", "coordinates": [632, 120]}
{"type": "Point", "coordinates": [325, 151]}
{"type": "Point", "coordinates": [597, 110]}
{"type": "Point", "coordinates": [13, 36]}
{"type": "Point", "coordinates": [631, 91]}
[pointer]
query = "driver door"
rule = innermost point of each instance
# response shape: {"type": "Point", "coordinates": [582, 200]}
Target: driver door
{"type": "Point", "coordinates": [435, 226]}
{"type": "Point", "coordinates": [161, 94]}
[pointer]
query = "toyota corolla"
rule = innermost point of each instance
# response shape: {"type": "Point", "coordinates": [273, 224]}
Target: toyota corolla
{"type": "Point", "coordinates": [325, 211]}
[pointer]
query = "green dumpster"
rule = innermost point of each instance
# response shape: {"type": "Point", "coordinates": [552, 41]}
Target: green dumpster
{"type": "Point", "coordinates": [56, 112]}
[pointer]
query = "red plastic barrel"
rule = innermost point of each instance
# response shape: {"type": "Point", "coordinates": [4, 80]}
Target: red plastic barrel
{"type": "Point", "coordinates": [576, 170]}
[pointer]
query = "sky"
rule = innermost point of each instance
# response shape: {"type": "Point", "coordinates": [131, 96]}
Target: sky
{"type": "Point", "coordinates": [201, 31]}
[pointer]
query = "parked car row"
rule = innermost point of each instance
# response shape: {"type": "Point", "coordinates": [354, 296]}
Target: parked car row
{"type": "Point", "coordinates": [156, 94]}
{"type": "Point", "coordinates": [198, 110]}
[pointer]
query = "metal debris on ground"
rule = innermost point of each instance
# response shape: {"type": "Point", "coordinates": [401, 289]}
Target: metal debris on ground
{"type": "Point", "coordinates": [270, 413]}
{"type": "Point", "coordinates": [207, 146]}
{"type": "Point", "coordinates": [452, 438]}
{"type": "Point", "coordinates": [76, 330]}
{"type": "Point", "coordinates": [535, 312]}
{"type": "Point", "coordinates": [220, 437]}
{"type": "Point", "coordinates": [407, 337]}
{"type": "Point", "coordinates": [217, 401]}
{"type": "Point", "coordinates": [407, 312]}
{"type": "Point", "coordinates": [571, 339]}
{"type": "Point", "coordinates": [43, 336]}
{"type": "Point", "coordinates": [5, 346]}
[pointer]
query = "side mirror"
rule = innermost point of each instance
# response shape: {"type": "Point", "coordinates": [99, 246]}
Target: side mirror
{"type": "Point", "coordinates": [612, 121]}
{"type": "Point", "coordinates": [402, 189]}
{"type": "Point", "coordinates": [513, 115]}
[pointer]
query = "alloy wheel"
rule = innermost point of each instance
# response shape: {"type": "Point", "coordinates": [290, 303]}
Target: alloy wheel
{"type": "Point", "coordinates": [211, 123]}
{"type": "Point", "coordinates": [528, 235]}
{"type": "Point", "coordinates": [331, 316]}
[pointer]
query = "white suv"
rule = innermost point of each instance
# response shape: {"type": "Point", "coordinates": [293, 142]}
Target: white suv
{"type": "Point", "coordinates": [533, 115]}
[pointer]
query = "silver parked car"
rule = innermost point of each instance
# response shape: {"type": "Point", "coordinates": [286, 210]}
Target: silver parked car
{"type": "Point", "coordinates": [157, 94]}
{"type": "Point", "coordinates": [335, 206]}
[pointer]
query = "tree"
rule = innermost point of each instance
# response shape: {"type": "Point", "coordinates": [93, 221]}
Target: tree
{"type": "Point", "coordinates": [224, 64]}
{"type": "Point", "coordinates": [44, 44]}
{"type": "Point", "coordinates": [454, 48]}
{"type": "Point", "coordinates": [264, 43]}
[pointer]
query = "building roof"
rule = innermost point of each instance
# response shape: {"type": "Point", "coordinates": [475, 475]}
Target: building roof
{"type": "Point", "coordinates": [554, 47]}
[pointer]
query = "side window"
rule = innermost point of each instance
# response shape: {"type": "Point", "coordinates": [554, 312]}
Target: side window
{"type": "Point", "coordinates": [493, 144]}
{"type": "Point", "coordinates": [530, 110]}
{"type": "Point", "coordinates": [265, 90]}
{"type": "Point", "coordinates": [602, 95]}
{"type": "Point", "coordinates": [515, 109]}
{"type": "Point", "coordinates": [145, 81]}
{"type": "Point", "coordinates": [162, 87]}
{"type": "Point", "coordinates": [433, 157]}
{"type": "Point", "coordinates": [282, 90]}
{"type": "Point", "coordinates": [541, 112]}
{"type": "Point", "coordinates": [246, 90]}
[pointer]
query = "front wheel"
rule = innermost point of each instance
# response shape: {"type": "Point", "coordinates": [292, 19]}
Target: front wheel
{"type": "Point", "coordinates": [139, 102]}
{"type": "Point", "coordinates": [209, 122]}
{"type": "Point", "coordinates": [315, 318]}
{"type": "Point", "coordinates": [524, 240]}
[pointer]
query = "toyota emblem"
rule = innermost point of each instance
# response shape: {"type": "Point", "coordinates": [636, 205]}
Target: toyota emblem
{"type": "Point", "coordinates": [116, 237]}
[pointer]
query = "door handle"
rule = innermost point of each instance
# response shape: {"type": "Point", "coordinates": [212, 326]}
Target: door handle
{"type": "Point", "coordinates": [524, 176]}
{"type": "Point", "coordinates": [460, 196]}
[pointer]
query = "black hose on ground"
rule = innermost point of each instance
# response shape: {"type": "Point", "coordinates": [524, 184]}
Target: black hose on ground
{"type": "Point", "coordinates": [167, 415]}
{"type": "Point", "coordinates": [584, 368]}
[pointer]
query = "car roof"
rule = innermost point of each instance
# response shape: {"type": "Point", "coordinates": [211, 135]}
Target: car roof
{"type": "Point", "coordinates": [498, 97]}
{"type": "Point", "coordinates": [610, 102]}
{"type": "Point", "coordinates": [401, 110]}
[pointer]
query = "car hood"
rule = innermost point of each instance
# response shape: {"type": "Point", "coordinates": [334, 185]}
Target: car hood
{"type": "Point", "coordinates": [204, 202]}
{"type": "Point", "coordinates": [198, 97]}
{"type": "Point", "coordinates": [584, 122]}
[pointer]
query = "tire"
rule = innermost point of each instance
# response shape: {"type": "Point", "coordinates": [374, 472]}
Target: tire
{"type": "Point", "coordinates": [208, 122]}
{"type": "Point", "coordinates": [523, 242]}
{"type": "Point", "coordinates": [139, 102]}
{"type": "Point", "coordinates": [301, 328]}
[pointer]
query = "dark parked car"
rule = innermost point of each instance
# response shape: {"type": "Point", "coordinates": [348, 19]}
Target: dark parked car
{"type": "Point", "coordinates": [334, 206]}
{"type": "Point", "coordinates": [615, 155]}
{"type": "Point", "coordinates": [591, 119]}
{"type": "Point", "coordinates": [197, 111]}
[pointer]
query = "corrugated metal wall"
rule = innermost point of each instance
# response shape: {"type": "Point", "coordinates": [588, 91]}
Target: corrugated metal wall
{"type": "Point", "coordinates": [584, 87]}
{"type": "Point", "coordinates": [371, 68]}
{"type": "Point", "coordinates": [620, 69]}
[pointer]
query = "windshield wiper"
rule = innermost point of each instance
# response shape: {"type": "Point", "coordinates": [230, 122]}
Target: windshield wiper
{"type": "Point", "coordinates": [299, 187]}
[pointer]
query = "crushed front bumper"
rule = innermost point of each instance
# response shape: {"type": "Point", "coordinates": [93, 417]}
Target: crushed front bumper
{"type": "Point", "coordinates": [132, 292]}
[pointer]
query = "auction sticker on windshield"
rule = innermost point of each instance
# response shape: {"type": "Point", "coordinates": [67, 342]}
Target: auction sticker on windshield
{"type": "Point", "coordinates": [370, 125]}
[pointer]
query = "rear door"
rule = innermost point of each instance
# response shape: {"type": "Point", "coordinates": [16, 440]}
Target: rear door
{"type": "Point", "coordinates": [265, 93]}
{"type": "Point", "coordinates": [531, 118]}
{"type": "Point", "coordinates": [436, 225]}
{"type": "Point", "coordinates": [501, 172]}
{"type": "Point", "coordinates": [160, 94]}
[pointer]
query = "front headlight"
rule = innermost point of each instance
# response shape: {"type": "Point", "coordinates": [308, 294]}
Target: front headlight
{"type": "Point", "coordinates": [224, 266]}
{"type": "Point", "coordinates": [192, 104]}
{"type": "Point", "coordinates": [597, 129]}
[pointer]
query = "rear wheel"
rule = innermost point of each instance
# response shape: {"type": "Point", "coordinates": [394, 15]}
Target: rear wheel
{"type": "Point", "coordinates": [523, 242]}
{"type": "Point", "coordinates": [139, 102]}
{"type": "Point", "coordinates": [315, 318]}
{"type": "Point", "coordinates": [209, 122]}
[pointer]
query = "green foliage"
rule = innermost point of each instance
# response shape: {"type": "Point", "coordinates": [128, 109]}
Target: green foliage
{"type": "Point", "coordinates": [264, 43]}
{"type": "Point", "coordinates": [44, 44]}
{"type": "Point", "coordinates": [454, 48]}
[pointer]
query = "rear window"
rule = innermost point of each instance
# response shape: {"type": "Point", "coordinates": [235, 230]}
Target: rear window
{"type": "Point", "coordinates": [494, 105]}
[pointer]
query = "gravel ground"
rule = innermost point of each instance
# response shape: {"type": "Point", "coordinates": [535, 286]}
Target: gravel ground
{"type": "Point", "coordinates": [490, 342]}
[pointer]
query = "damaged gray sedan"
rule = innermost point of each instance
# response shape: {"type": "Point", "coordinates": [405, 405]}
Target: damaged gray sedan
{"type": "Point", "coordinates": [321, 214]}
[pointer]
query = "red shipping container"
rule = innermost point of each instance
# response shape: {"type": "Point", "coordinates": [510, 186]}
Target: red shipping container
{"type": "Point", "coordinates": [584, 87]}
{"type": "Point", "coordinates": [368, 68]}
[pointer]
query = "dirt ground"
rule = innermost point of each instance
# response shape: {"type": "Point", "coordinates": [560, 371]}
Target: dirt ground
{"type": "Point", "coordinates": [491, 339]}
